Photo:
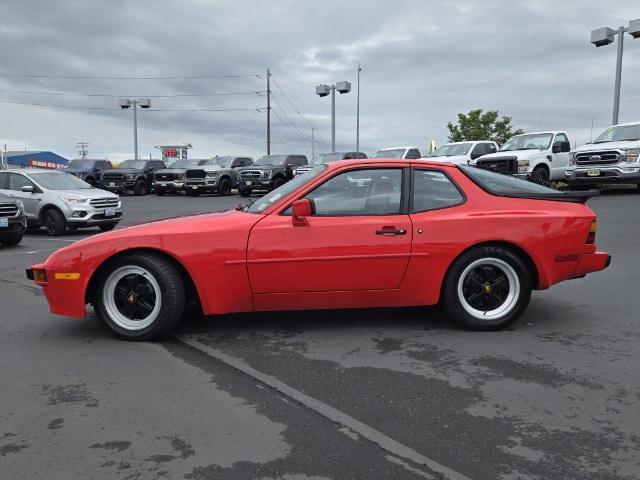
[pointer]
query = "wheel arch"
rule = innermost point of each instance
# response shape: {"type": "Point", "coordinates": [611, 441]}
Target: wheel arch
{"type": "Point", "coordinates": [46, 207]}
{"type": "Point", "coordinates": [532, 267]}
{"type": "Point", "coordinates": [191, 289]}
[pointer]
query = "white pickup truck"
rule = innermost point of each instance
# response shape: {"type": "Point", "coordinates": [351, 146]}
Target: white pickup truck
{"type": "Point", "coordinates": [462, 153]}
{"type": "Point", "coordinates": [540, 157]}
{"type": "Point", "coordinates": [613, 158]}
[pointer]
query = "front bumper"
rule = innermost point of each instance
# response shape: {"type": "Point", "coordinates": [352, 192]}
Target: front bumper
{"type": "Point", "coordinates": [255, 184]}
{"type": "Point", "coordinates": [203, 184]}
{"type": "Point", "coordinates": [16, 226]}
{"type": "Point", "coordinates": [88, 216]}
{"type": "Point", "coordinates": [118, 186]}
{"type": "Point", "coordinates": [177, 185]}
{"type": "Point", "coordinates": [605, 174]}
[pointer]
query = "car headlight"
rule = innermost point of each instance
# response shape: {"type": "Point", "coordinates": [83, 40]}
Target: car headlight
{"type": "Point", "coordinates": [572, 158]}
{"type": "Point", "coordinates": [20, 205]}
{"type": "Point", "coordinates": [74, 200]}
{"type": "Point", "coordinates": [632, 154]}
{"type": "Point", "coordinates": [212, 174]}
{"type": "Point", "coordinates": [523, 166]}
{"type": "Point", "coordinates": [129, 176]}
{"type": "Point", "coordinates": [267, 174]}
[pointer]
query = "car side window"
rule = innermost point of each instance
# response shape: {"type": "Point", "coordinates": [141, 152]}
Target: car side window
{"type": "Point", "coordinates": [4, 181]}
{"type": "Point", "coordinates": [432, 190]}
{"type": "Point", "coordinates": [561, 137]}
{"type": "Point", "coordinates": [413, 153]}
{"type": "Point", "coordinates": [479, 149]}
{"type": "Point", "coordinates": [359, 192]}
{"type": "Point", "coordinates": [301, 161]}
{"type": "Point", "coordinates": [17, 181]}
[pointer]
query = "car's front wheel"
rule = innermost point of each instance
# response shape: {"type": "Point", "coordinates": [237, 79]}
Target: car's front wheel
{"type": "Point", "coordinates": [224, 188]}
{"type": "Point", "coordinates": [54, 222]}
{"type": "Point", "coordinates": [140, 188]}
{"type": "Point", "coordinates": [140, 297]}
{"type": "Point", "coordinates": [11, 241]}
{"type": "Point", "coordinates": [487, 288]}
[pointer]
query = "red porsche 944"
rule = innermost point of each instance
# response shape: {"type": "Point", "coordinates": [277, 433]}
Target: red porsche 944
{"type": "Point", "coordinates": [362, 233]}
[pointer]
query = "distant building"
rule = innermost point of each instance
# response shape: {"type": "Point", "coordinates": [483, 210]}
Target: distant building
{"type": "Point", "coordinates": [21, 159]}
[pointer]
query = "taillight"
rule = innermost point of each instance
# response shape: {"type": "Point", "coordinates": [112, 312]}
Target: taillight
{"type": "Point", "coordinates": [591, 237]}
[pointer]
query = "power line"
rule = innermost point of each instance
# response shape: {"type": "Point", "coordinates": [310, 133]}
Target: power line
{"type": "Point", "coordinates": [79, 107]}
{"type": "Point", "coordinates": [101, 77]}
{"type": "Point", "coordinates": [287, 117]}
{"type": "Point", "coordinates": [295, 109]}
{"type": "Point", "coordinates": [297, 133]}
{"type": "Point", "coordinates": [67, 94]}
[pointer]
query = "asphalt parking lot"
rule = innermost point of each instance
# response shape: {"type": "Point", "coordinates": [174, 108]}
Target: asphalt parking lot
{"type": "Point", "coordinates": [390, 393]}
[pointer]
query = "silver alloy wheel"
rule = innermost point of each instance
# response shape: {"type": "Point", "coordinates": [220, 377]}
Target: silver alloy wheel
{"type": "Point", "coordinates": [488, 288]}
{"type": "Point", "coordinates": [135, 283]}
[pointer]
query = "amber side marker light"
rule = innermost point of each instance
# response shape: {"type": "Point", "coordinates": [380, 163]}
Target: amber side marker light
{"type": "Point", "coordinates": [591, 237]}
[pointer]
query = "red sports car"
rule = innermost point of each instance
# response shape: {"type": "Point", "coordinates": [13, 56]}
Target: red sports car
{"type": "Point", "coordinates": [362, 233]}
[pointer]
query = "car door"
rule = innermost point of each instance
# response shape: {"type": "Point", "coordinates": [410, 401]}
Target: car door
{"type": "Point", "coordinates": [560, 160]}
{"type": "Point", "coordinates": [359, 238]}
{"type": "Point", "coordinates": [31, 201]}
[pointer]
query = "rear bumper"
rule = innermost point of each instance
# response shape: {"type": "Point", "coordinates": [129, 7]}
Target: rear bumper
{"type": "Point", "coordinates": [591, 262]}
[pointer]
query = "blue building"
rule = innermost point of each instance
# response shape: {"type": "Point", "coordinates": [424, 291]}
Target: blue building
{"type": "Point", "coordinates": [21, 159]}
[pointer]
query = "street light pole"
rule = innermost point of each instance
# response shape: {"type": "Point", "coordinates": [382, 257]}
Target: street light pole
{"type": "Point", "coordinates": [358, 113]}
{"type": "Point", "coordinates": [134, 102]}
{"type": "Point", "coordinates": [324, 90]}
{"type": "Point", "coordinates": [605, 36]}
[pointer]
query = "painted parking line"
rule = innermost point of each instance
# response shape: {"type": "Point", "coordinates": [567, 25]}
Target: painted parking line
{"type": "Point", "coordinates": [36, 237]}
{"type": "Point", "coordinates": [386, 443]}
{"type": "Point", "coordinates": [28, 252]}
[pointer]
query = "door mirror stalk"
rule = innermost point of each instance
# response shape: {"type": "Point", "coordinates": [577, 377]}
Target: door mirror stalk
{"type": "Point", "coordinates": [300, 210]}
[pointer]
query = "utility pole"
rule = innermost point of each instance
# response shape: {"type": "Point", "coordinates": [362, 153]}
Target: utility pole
{"type": "Point", "coordinates": [358, 113]}
{"type": "Point", "coordinates": [134, 103]}
{"type": "Point", "coordinates": [313, 144]}
{"type": "Point", "coordinates": [83, 150]}
{"type": "Point", "coordinates": [268, 112]}
{"type": "Point", "coordinates": [326, 90]}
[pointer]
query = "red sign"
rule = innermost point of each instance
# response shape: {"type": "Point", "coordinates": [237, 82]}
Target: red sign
{"type": "Point", "coordinates": [169, 152]}
{"type": "Point", "coordinates": [42, 164]}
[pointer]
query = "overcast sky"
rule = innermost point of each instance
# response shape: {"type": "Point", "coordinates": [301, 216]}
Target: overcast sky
{"type": "Point", "coordinates": [422, 63]}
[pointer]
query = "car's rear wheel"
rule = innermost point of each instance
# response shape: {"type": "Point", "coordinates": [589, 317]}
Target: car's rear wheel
{"type": "Point", "coordinates": [487, 288]}
{"type": "Point", "coordinates": [541, 175]}
{"type": "Point", "coordinates": [244, 192]}
{"type": "Point", "coordinates": [54, 222]}
{"type": "Point", "coordinates": [140, 297]}
{"type": "Point", "coordinates": [107, 227]}
{"type": "Point", "coordinates": [11, 241]}
{"type": "Point", "coordinates": [224, 187]}
{"type": "Point", "coordinates": [140, 188]}
{"type": "Point", "coordinates": [91, 181]}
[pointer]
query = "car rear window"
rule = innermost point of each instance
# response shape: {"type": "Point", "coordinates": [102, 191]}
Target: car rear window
{"type": "Point", "coordinates": [499, 184]}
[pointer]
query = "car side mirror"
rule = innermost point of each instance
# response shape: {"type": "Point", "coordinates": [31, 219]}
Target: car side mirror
{"type": "Point", "coordinates": [300, 209]}
{"type": "Point", "coordinates": [561, 147]}
{"type": "Point", "coordinates": [28, 189]}
{"type": "Point", "coordinates": [475, 155]}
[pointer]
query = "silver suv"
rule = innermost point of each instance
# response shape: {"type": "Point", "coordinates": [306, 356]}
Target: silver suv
{"type": "Point", "coordinates": [60, 201]}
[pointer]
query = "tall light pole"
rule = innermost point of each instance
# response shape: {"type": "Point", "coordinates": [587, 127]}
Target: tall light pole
{"type": "Point", "coordinates": [134, 103]}
{"type": "Point", "coordinates": [358, 113]}
{"type": "Point", "coordinates": [605, 36]}
{"type": "Point", "coordinates": [324, 90]}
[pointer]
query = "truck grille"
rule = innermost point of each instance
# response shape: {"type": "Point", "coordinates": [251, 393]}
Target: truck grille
{"type": "Point", "coordinates": [104, 202]}
{"type": "Point", "coordinates": [112, 177]}
{"type": "Point", "coordinates": [504, 165]}
{"type": "Point", "coordinates": [167, 177]}
{"type": "Point", "coordinates": [8, 210]}
{"type": "Point", "coordinates": [196, 173]}
{"type": "Point", "coordinates": [605, 157]}
{"type": "Point", "coordinates": [250, 174]}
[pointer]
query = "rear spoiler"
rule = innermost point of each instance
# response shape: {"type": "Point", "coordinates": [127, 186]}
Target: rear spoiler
{"type": "Point", "coordinates": [574, 197]}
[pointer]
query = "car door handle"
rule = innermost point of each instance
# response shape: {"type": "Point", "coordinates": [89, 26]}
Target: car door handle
{"type": "Point", "coordinates": [391, 231]}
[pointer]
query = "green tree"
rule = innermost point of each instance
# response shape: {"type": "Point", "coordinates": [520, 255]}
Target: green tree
{"type": "Point", "coordinates": [476, 125]}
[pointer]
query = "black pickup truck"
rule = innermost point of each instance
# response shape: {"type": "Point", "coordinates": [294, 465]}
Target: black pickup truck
{"type": "Point", "coordinates": [13, 221]}
{"type": "Point", "coordinates": [268, 173]}
{"type": "Point", "coordinates": [131, 175]}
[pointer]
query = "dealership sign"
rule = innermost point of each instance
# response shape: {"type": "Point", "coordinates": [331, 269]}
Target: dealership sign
{"type": "Point", "coordinates": [43, 164]}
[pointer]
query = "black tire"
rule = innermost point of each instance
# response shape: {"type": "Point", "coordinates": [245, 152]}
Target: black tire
{"type": "Point", "coordinates": [170, 287]}
{"type": "Point", "coordinates": [140, 188]}
{"type": "Point", "coordinates": [54, 222]}
{"type": "Point", "coordinates": [159, 192]}
{"type": "Point", "coordinates": [541, 175]}
{"type": "Point", "coordinates": [224, 187]}
{"type": "Point", "coordinates": [244, 192]}
{"type": "Point", "coordinates": [72, 228]}
{"type": "Point", "coordinates": [11, 241]}
{"type": "Point", "coordinates": [478, 272]}
{"type": "Point", "coordinates": [107, 227]}
{"type": "Point", "coordinates": [91, 181]}
{"type": "Point", "coordinates": [278, 182]}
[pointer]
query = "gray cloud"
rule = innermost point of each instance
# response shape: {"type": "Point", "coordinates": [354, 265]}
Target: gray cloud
{"type": "Point", "coordinates": [423, 62]}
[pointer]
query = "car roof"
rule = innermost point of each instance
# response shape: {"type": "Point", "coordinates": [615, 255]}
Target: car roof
{"type": "Point", "coordinates": [541, 133]}
{"type": "Point", "coordinates": [378, 162]}
{"type": "Point", "coordinates": [395, 148]}
{"type": "Point", "coordinates": [34, 170]}
{"type": "Point", "coordinates": [625, 124]}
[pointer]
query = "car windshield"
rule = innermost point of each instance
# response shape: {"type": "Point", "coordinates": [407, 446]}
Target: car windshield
{"type": "Point", "coordinates": [500, 184]}
{"type": "Point", "coordinates": [390, 153]}
{"type": "Point", "coordinates": [533, 141]}
{"type": "Point", "coordinates": [80, 164]}
{"type": "Point", "coordinates": [59, 181]}
{"type": "Point", "coordinates": [271, 160]}
{"type": "Point", "coordinates": [220, 161]}
{"type": "Point", "coordinates": [621, 133]}
{"type": "Point", "coordinates": [183, 164]}
{"type": "Point", "coordinates": [451, 149]}
{"type": "Point", "coordinates": [326, 157]}
{"type": "Point", "coordinates": [270, 198]}
{"type": "Point", "coordinates": [132, 164]}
